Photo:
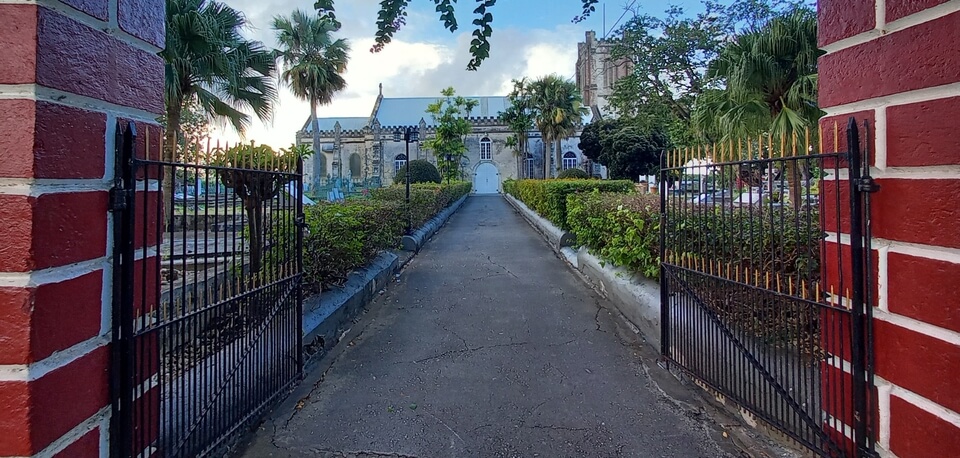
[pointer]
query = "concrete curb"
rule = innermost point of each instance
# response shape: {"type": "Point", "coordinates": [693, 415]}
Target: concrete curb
{"type": "Point", "coordinates": [327, 316]}
{"type": "Point", "coordinates": [637, 298]}
{"type": "Point", "coordinates": [419, 237]}
{"type": "Point", "coordinates": [558, 238]}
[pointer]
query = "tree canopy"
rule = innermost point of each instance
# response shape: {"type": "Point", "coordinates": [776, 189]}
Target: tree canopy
{"type": "Point", "coordinates": [451, 126]}
{"type": "Point", "coordinates": [393, 13]}
{"type": "Point", "coordinates": [627, 149]}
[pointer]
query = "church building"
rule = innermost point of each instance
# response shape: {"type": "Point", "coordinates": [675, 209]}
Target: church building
{"type": "Point", "coordinates": [363, 151]}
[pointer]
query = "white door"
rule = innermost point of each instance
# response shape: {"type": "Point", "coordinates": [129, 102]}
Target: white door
{"type": "Point", "coordinates": [486, 180]}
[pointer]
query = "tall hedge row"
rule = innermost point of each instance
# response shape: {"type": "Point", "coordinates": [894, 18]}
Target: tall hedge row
{"type": "Point", "coordinates": [549, 197]}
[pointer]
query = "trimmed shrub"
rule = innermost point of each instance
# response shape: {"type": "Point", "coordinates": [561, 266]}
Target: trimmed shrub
{"type": "Point", "coordinates": [549, 197]}
{"type": "Point", "coordinates": [421, 171]}
{"type": "Point", "coordinates": [573, 174]}
{"type": "Point", "coordinates": [342, 236]}
{"type": "Point", "coordinates": [621, 228]}
{"type": "Point", "coordinates": [625, 229]}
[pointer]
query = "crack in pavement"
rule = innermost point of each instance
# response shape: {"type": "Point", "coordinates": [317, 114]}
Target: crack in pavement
{"type": "Point", "coordinates": [489, 259]}
{"type": "Point", "coordinates": [467, 350]}
{"type": "Point", "coordinates": [329, 453]}
{"type": "Point", "coordinates": [558, 428]}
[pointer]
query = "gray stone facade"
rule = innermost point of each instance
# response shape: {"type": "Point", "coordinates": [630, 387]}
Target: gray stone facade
{"type": "Point", "coordinates": [367, 151]}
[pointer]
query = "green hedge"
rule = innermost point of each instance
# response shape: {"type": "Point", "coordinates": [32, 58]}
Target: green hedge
{"type": "Point", "coordinates": [624, 229]}
{"type": "Point", "coordinates": [549, 197]}
{"type": "Point", "coordinates": [573, 174]}
{"type": "Point", "coordinates": [621, 228]}
{"type": "Point", "coordinates": [342, 236]}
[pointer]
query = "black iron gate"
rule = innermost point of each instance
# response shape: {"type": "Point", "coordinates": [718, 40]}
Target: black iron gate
{"type": "Point", "coordinates": [207, 293]}
{"type": "Point", "coordinates": [765, 283]}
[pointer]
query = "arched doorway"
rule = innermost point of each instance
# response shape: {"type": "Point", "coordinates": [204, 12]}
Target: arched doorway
{"type": "Point", "coordinates": [486, 179]}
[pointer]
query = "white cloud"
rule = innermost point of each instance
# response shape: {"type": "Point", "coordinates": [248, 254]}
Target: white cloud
{"type": "Point", "coordinates": [409, 69]}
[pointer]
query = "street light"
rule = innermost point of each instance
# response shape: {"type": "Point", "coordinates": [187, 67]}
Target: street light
{"type": "Point", "coordinates": [408, 135]}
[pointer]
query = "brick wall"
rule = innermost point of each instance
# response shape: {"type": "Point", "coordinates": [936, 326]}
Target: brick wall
{"type": "Point", "coordinates": [68, 71]}
{"type": "Point", "coordinates": [897, 63]}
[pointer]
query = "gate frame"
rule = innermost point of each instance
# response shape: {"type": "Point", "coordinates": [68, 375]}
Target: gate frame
{"type": "Point", "coordinates": [860, 186]}
{"type": "Point", "coordinates": [123, 372]}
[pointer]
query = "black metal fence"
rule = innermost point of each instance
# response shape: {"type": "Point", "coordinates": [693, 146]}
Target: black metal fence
{"type": "Point", "coordinates": [764, 284]}
{"type": "Point", "coordinates": [207, 300]}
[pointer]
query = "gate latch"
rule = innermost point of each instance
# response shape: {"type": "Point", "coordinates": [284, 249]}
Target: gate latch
{"type": "Point", "coordinates": [120, 198]}
{"type": "Point", "coordinates": [301, 221]}
{"type": "Point", "coordinates": [867, 184]}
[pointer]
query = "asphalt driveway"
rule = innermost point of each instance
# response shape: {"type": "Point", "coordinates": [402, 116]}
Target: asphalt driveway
{"type": "Point", "coordinates": [488, 345]}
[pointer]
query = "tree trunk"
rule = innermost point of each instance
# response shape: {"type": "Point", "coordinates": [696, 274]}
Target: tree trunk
{"type": "Point", "coordinates": [558, 157]}
{"type": "Point", "coordinates": [255, 224]}
{"type": "Point", "coordinates": [546, 157]}
{"type": "Point", "coordinates": [317, 174]}
{"type": "Point", "coordinates": [169, 156]}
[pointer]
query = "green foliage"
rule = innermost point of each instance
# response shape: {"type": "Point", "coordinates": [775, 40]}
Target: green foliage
{"type": "Point", "coordinates": [426, 199]}
{"type": "Point", "coordinates": [558, 106]}
{"type": "Point", "coordinates": [393, 16]}
{"type": "Point", "coordinates": [208, 58]}
{"type": "Point", "coordinates": [669, 55]}
{"type": "Point", "coordinates": [573, 174]}
{"type": "Point", "coordinates": [450, 128]}
{"type": "Point", "coordinates": [313, 61]}
{"type": "Point", "coordinates": [519, 117]}
{"type": "Point", "coordinates": [346, 235]}
{"type": "Point", "coordinates": [621, 228]}
{"type": "Point", "coordinates": [784, 241]}
{"type": "Point", "coordinates": [421, 171]}
{"type": "Point", "coordinates": [627, 150]}
{"type": "Point", "coordinates": [251, 172]}
{"type": "Point", "coordinates": [549, 197]}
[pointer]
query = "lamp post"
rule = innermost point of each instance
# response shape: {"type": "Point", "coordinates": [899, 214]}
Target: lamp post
{"type": "Point", "coordinates": [409, 134]}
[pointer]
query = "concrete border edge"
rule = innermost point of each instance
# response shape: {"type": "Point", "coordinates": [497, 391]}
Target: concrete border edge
{"type": "Point", "coordinates": [636, 298]}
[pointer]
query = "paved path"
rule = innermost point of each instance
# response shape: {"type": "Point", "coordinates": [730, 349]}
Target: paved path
{"type": "Point", "coordinates": [487, 346]}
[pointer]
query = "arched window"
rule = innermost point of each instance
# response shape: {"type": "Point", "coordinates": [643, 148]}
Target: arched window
{"type": "Point", "coordinates": [399, 161]}
{"type": "Point", "coordinates": [486, 151]}
{"type": "Point", "coordinates": [570, 160]}
{"type": "Point", "coordinates": [355, 165]}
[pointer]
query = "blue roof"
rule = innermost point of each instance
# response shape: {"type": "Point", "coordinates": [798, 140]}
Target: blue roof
{"type": "Point", "coordinates": [354, 123]}
{"type": "Point", "coordinates": [407, 111]}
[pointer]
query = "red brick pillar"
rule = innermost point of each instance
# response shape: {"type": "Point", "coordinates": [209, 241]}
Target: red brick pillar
{"type": "Point", "coordinates": [68, 70]}
{"type": "Point", "coordinates": [897, 63]}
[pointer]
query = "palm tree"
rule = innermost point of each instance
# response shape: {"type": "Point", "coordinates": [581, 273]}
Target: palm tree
{"type": "Point", "coordinates": [208, 62]}
{"type": "Point", "coordinates": [769, 79]}
{"type": "Point", "coordinates": [558, 107]}
{"type": "Point", "coordinates": [519, 118]}
{"type": "Point", "coordinates": [313, 62]}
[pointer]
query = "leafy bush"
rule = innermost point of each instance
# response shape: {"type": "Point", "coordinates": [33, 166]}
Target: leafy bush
{"type": "Point", "coordinates": [343, 236]}
{"type": "Point", "coordinates": [624, 229]}
{"type": "Point", "coordinates": [573, 174]}
{"type": "Point", "coordinates": [780, 240]}
{"type": "Point", "coordinates": [549, 197]}
{"type": "Point", "coordinates": [621, 228]}
{"type": "Point", "coordinates": [421, 171]}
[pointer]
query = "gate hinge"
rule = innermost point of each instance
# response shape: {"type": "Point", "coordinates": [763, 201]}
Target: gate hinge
{"type": "Point", "coordinates": [867, 184]}
{"type": "Point", "coordinates": [120, 198]}
{"type": "Point", "coordinates": [301, 221]}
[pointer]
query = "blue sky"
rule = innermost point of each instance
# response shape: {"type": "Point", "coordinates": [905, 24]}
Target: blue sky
{"type": "Point", "coordinates": [531, 38]}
